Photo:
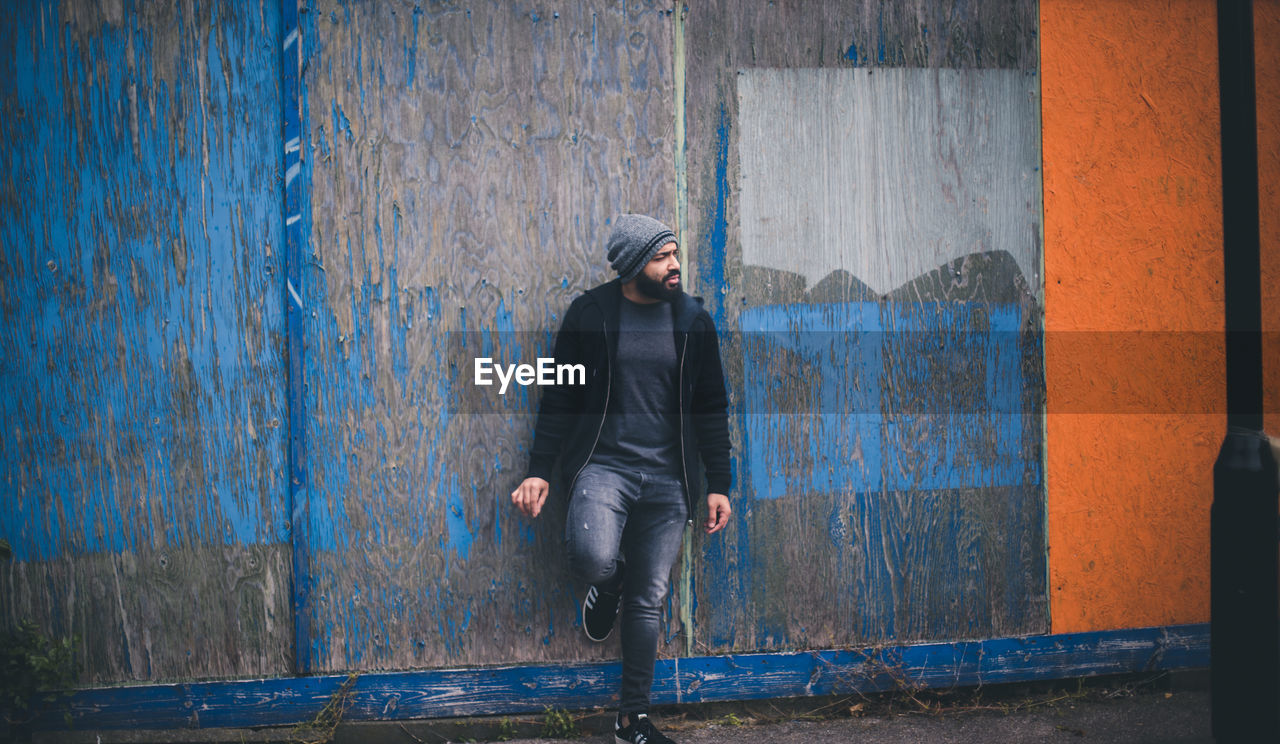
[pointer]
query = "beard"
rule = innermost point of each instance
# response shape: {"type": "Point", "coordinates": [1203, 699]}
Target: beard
{"type": "Point", "coordinates": [658, 290]}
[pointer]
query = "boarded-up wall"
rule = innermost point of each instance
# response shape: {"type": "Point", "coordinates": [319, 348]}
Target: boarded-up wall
{"type": "Point", "coordinates": [142, 456]}
{"type": "Point", "coordinates": [460, 168]}
{"type": "Point", "coordinates": [861, 217]}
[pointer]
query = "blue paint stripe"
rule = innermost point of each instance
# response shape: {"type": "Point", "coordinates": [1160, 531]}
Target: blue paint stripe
{"type": "Point", "coordinates": [525, 689]}
{"type": "Point", "coordinates": [294, 235]}
{"type": "Point", "coordinates": [714, 256]}
{"type": "Point", "coordinates": [874, 375]}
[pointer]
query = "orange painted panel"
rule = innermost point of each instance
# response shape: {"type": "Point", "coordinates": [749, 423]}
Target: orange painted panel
{"type": "Point", "coordinates": [1266, 34]}
{"type": "Point", "coordinates": [1133, 243]}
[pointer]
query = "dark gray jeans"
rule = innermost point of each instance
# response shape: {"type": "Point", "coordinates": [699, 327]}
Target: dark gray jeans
{"type": "Point", "coordinates": [644, 516]}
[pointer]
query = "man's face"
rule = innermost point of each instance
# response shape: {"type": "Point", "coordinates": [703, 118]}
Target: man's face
{"type": "Point", "coordinates": [660, 278]}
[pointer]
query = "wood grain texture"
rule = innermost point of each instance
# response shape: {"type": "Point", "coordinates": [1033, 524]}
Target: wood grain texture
{"type": "Point", "coordinates": [887, 174]}
{"type": "Point", "coordinates": [464, 162]}
{"type": "Point", "coordinates": [156, 614]}
{"type": "Point", "coordinates": [907, 476]}
{"type": "Point", "coordinates": [142, 458]}
{"type": "Point", "coordinates": [725, 36]}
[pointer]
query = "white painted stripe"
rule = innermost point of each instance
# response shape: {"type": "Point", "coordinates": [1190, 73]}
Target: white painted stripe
{"type": "Point", "coordinates": [296, 299]}
{"type": "Point", "coordinates": [292, 219]}
{"type": "Point", "coordinates": [292, 37]}
{"type": "Point", "coordinates": [292, 145]}
{"type": "Point", "coordinates": [292, 173]}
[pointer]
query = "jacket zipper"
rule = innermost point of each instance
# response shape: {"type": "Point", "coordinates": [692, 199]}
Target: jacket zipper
{"type": "Point", "coordinates": [608, 388]}
{"type": "Point", "coordinates": [684, 462]}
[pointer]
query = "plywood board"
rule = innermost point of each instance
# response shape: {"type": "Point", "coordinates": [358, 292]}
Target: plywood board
{"type": "Point", "coordinates": [887, 174]}
{"type": "Point", "coordinates": [864, 201]}
{"type": "Point", "coordinates": [465, 163]}
{"type": "Point", "coordinates": [143, 456]}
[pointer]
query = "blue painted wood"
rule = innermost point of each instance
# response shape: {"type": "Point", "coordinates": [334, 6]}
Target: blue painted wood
{"type": "Point", "coordinates": [523, 689]}
{"type": "Point", "coordinates": [294, 236]}
{"type": "Point", "coordinates": [873, 371]}
{"type": "Point", "coordinates": [138, 297]}
{"type": "Point", "coordinates": [143, 458]}
{"type": "Point", "coordinates": [462, 162]}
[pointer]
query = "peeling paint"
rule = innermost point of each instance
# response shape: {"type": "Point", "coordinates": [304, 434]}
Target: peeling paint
{"type": "Point", "coordinates": [138, 317]}
{"type": "Point", "coordinates": [471, 210]}
{"type": "Point", "coordinates": [912, 506]}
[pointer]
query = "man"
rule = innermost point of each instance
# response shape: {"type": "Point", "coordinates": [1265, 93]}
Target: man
{"type": "Point", "coordinates": [629, 442]}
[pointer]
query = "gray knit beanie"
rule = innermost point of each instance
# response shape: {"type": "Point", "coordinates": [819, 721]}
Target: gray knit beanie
{"type": "Point", "coordinates": [634, 240]}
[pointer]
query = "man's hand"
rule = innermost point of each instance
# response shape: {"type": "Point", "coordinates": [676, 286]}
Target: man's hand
{"type": "Point", "coordinates": [718, 512]}
{"type": "Point", "coordinates": [530, 495]}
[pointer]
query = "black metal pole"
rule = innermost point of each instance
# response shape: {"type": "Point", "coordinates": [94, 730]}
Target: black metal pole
{"type": "Point", "coordinates": [1245, 635]}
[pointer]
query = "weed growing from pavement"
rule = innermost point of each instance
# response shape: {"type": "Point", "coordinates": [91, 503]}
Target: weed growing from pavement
{"type": "Point", "coordinates": [506, 729]}
{"type": "Point", "coordinates": [731, 719]}
{"type": "Point", "coordinates": [320, 729]}
{"type": "Point", "coordinates": [37, 672]}
{"type": "Point", "coordinates": [558, 723]}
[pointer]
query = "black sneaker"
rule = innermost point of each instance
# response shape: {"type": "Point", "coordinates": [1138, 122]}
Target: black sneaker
{"type": "Point", "coordinates": [599, 610]}
{"type": "Point", "coordinates": [641, 731]}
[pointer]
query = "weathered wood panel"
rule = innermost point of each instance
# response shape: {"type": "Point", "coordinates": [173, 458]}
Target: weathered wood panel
{"type": "Point", "coordinates": [864, 201]}
{"type": "Point", "coordinates": [142, 458]}
{"type": "Point", "coordinates": [463, 163]}
{"type": "Point", "coordinates": [164, 613]}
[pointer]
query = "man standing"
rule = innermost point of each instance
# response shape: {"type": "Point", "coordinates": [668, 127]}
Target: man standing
{"type": "Point", "coordinates": [628, 443]}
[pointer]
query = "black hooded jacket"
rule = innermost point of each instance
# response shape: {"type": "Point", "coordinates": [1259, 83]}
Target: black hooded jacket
{"type": "Point", "coordinates": [570, 417]}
